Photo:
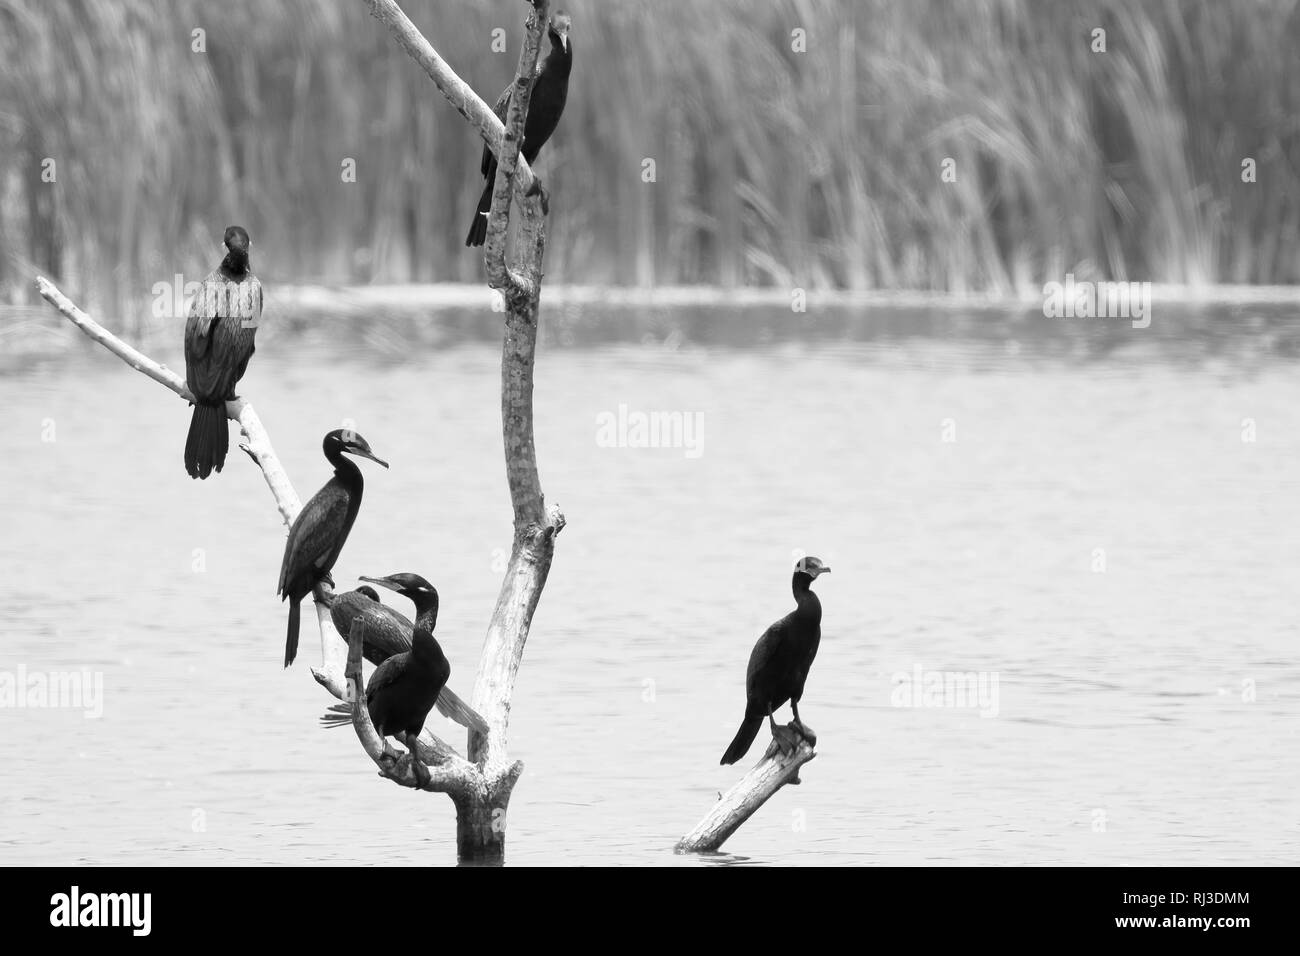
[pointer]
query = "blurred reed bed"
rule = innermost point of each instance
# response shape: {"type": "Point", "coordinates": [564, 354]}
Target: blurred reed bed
{"type": "Point", "coordinates": [818, 169]}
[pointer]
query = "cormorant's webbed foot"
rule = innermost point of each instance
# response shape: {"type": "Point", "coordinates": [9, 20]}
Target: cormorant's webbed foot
{"type": "Point", "coordinates": [806, 732]}
{"type": "Point", "coordinates": [537, 189]}
{"type": "Point", "coordinates": [422, 775]}
{"type": "Point", "coordinates": [787, 740]}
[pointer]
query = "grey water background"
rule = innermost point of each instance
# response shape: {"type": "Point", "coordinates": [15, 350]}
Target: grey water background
{"type": "Point", "coordinates": [1146, 713]}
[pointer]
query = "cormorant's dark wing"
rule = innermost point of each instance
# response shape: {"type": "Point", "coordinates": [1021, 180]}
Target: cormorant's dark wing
{"type": "Point", "coordinates": [315, 533]}
{"type": "Point", "coordinates": [386, 675]}
{"type": "Point", "coordinates": [388, 632]}
{"type": "Point", "coordinates": [219, 334]}
{"type": "Point", "coordinates": [204, 309]}
{"type": "Point", "coordinates": [500, 109]}
{"type": "Point", "coordinates": [234, 334]}
{"type": "Point", "coordinates": [207, 301]}
{"type": "Point", "coordinates": [765, 649]}
{"type": "Point", "coordinates": [769, 659]}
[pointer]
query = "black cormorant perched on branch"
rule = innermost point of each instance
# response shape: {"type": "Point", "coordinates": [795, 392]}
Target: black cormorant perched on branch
{"type": "Point", "coordinates": [404, 688]}
{"type": "Point", "coordinates": [779, 663]}
{"type": "Point", "coordinates": [545, 104]}
{"type": "Point", "coordinates": [387, 633]}
{"type": "Point", "coordinates": [219, 337]}
{"type": "Point", "coordinates": [321, 528]}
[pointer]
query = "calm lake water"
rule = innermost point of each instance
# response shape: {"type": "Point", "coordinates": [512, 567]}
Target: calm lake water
{"type": "Point", "coordinates": [1101, 518]}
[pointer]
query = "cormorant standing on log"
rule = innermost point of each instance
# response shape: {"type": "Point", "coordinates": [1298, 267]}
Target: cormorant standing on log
{"type": "Point", "coordinates": [550, 88]}
{"type": "Point", "coordinates": [404, 688]}
{"type": "Point", "coordinates": [779, 663]}
{"type": "Point", "coordinates": [387, 633]}
{"type": "Point", "coordinates": [218, 344]}
{"type": "Point", "coordinates": [318, 533]}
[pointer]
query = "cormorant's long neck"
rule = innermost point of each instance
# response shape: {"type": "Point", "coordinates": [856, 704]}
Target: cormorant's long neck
{"type": "Point", "coordinates": [559, 61]}
{"type": "Point", "coordinates": [801, 585]}
{"type": "Point", "coordinates": [424, 646]}
{"type": "Point", "coordinates": [345, 470]}
{"type": "Point", "coordinates": [235, 265]}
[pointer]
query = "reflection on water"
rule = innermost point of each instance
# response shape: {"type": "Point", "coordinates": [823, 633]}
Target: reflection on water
{"type": "Point", "coordinates": [1099, 531]}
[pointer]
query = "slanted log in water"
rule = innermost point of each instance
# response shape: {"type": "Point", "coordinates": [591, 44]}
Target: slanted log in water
{"type": "Point", "coordinates": [755, 788]}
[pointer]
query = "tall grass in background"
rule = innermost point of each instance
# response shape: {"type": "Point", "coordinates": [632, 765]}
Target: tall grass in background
{"type": "Point", "coordinates": [772, 167]}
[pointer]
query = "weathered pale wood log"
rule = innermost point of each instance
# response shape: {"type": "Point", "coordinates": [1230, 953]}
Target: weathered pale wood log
{"type": "Point", "coordinates": [755, 788]}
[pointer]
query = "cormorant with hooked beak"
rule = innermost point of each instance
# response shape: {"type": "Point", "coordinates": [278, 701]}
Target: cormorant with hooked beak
{"type": "Point", "coordinates": [779, 663]}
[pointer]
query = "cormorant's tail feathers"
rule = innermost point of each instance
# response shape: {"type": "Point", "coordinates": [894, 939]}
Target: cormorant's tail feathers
{"type": "Point", "coordinates": [743, 740]}
{"type": "Point", "coordinates": [208, 440]}
{"type": "Point", "coordinates": [291, 638]}
{"type": "Point", "coordinates": [453, 708]}
{"type": "Point", "coordinates": [478, 228]}
{"type": "Point", "coordinates": [336, 716]}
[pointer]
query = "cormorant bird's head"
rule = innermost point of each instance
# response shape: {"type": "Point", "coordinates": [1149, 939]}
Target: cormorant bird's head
{"type": "Point", "coordinates": [236, 240]}
{"type": "Point", "coordinates": [559, 30]}
{"type": "Point", "coordinates": [369, 592]}
{"type": "Point", "coordinates": [812, 567]}
{"type": "Point", "coordinates": [351, 442]}
{"type": "Point", "coordinates": [412, 586]}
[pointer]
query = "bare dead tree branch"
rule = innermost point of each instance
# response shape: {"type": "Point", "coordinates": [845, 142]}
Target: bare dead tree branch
{"type": "Point", "coordinates": [481, 813]}
{"type": "Point", "coordinates": [755, 788]}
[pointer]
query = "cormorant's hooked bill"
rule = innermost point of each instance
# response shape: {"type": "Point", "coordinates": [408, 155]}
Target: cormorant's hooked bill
{"type": "Point", "coordinates": [354, 444]}
{"type": "Point", "coordinates": [404, 583]}
{"type": "Point", "coordinates": [779, 664]}
{"type": "Point", "coordinates": [219, 334]}
{"type": "Point", "coordinates": [811, 566]}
